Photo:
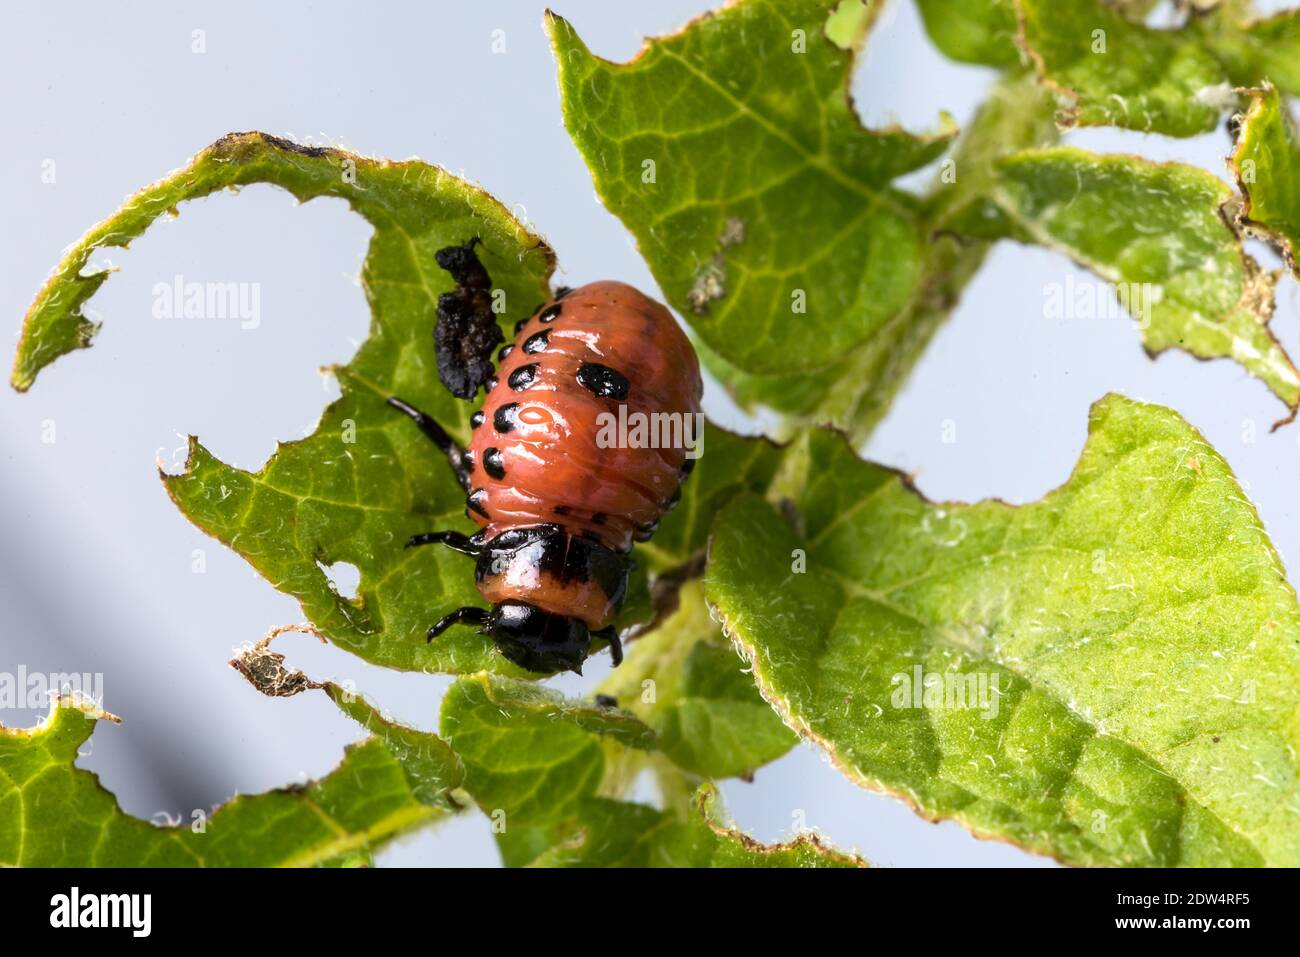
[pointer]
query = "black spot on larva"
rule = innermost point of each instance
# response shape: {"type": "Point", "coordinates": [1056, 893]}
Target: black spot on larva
{"type": "Point", "coordinates": [519, 326]}
{"type": "Point", "coordinates": [468, 459]}
{"type": "Point", "coordinates": [645, 532]}
{"type": "Point", "coordinates": [598, 518]}
{"type": "Point", "coordinates": [673, 500]}
{"type": "Point", "coordinates": [537, 342]}
{"type": "Point", "coordinates": [563, 291]}
{"type": "Point", "coordinates": [688, 466]}
{"type": "Point", "coordinates": [562, 510]}
{"type": "Point", "coordinates": [492, 383]}
{"type": "Point", "coordinates": [551, 312]}
{"type": "Point", "coordinates": [493, 463]}
{"type": "Point", "coordinates": [523, 377]}
{"type": "Point", "coordinates": [476, 419]}
{"type": "Point", "coordinates": [503, 420]}
{"type": "Point", "coordinates": [475, 502]}
{"type": "Point", "coordinates": [556, 558]}
{"type": "Point", "coordinates": [504, 352]}
{"type": "Point", "coordinates": [602, 381]}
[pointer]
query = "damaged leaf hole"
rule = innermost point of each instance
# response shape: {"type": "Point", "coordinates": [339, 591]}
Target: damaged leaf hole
{"type": "Point", "coordinates": [344, 578]}
{"type": "Point", "coordinates": [711, 278]}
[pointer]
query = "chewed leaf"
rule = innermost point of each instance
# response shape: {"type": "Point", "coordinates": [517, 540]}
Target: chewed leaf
{"type": "Point", "coordinates": [52, 814]}
{"type": "Point", "coordinates": [432, 768]}
{"type": "Point", "coordinates": [1110, 675]}
{"type": "Point", "coordinates": [1073, 42]}
{"type": "Point", "coordinates": [854, 393]}
{"type": "Point", "coordinates": [1110, 71]}
{"type": "Point", "coordinates": [366, 480]}
{"type": "Point", "coordinates": [530, 755]}
{"type": "Point", "coordinates": [687, 683]}
{"type": "Point", "coordinates": [1254, 50]}
{"type": "Point", "coordinates": [764, 209]}
{"type": "Point", "coordinates": [416, 209]}
{"type": "Point", "coordinates": [607, 833]}
{"type": "Point", "coordinates": [1267, 165]}
{"type": "Point", "coordinates": [549, 774]}
{"type": "Point", "coordinates": [1157, 234]}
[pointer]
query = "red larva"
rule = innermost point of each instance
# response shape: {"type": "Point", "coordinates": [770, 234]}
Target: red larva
{"type": "Point", "coordinates": [558, 512]}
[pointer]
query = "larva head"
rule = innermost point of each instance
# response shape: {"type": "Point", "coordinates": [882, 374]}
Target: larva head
{"type": "Point", "coordinates": [538, 640]}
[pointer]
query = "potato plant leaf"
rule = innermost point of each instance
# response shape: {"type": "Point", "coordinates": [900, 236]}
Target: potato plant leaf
{"type": "Point", "coordinates": [856, 390]}
{"type": "Point", "coordinates": [607, 833]}
{"type": "Point", "coordinates": [764, 209]}
{"type": "Point", "coordinates": [549, 774]}
{"type": "Point", "coordinates": [366, 479]}
{"type": "Point", "coordinates": [729, 464]}
{"type": "Point", "coordinates": [530, 755]}
{"type": "Point", "coordinates": [1110, 71]}
{"type": "Point", "coordinates": [973, 31]}
{"type": "Point", "coordinates": [433, 770]}
{"type": "Point", "coordinates": [1107, 68]}
{"type": "Point", "coordinates": [53, 814]}
{"type": "Point", "coordinates": [1110, 675]}
{"type": "Point", "coordinates": [1253, 50]}
{"type": "Point", "coordinates": [1266, 162]}
{"type": "Point", "coordinates": [687, 683]}
{"type": "Point", "coordinates": [1157, 234]}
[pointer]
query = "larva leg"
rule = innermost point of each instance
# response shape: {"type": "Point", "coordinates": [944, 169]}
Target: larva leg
{"type": "Point", "coordinates": [439, 437]}
{"type": "Point", "coordinates": [615, 645]}
{"type": "Point", "coordinates": [453, 540]}
{"type": "Point", "coordinates": [469, 615]}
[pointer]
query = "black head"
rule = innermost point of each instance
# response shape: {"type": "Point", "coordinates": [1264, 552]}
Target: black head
{"type": "Point", "coordinates": [538, 640]}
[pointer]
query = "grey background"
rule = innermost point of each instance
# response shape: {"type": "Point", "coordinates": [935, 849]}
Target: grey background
{"type": "Point", "coordinates": [96, 564]}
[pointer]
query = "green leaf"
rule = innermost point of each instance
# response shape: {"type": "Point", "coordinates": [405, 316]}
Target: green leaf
{"type": "Point", "coordinates": [433, 770]}
{"type": "Point", "coordinates": [609, 833]}
{"type": "Point", "coordinates": [855, 392]}
{"type": "Point", "coordinates": [732, 153]}
{"type": "Point", "coordinates": [52, 814]}
{"type": "Point", "coordinates": [1253, 51]}
{"type": "Point", "coordinates": [548, 773]}
{"type": "Point", "coordinates": [728, 465]}
{"type": "Point", "coordinates": [973, 31]}
{"type": "Point", "coordinates": [1154, 231]}
{"type": "Point", "coordinates": [366, 479]}
{"type": "Point", "coordinates": [1266, 162]}
{"type": "Point", "coordinates": [1109, 71]}
{"type": "Point", "coordinates": [1127, 649]}
{"type": "Point", "coordinates": [530, 755]}
{"type": "Point", "coordinates": [686, 682]}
